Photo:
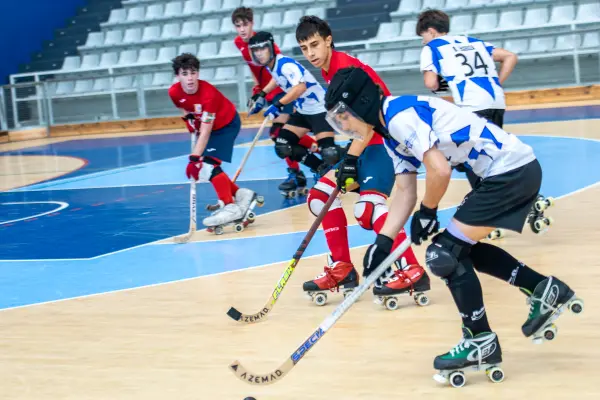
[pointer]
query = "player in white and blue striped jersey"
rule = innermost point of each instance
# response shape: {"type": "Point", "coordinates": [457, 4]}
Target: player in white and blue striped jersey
{"type": "Point", "coordinates": [466, 65]}
{"type": "Point", "coordinates": [306, 93]}
{"type": "Point", "coordinates": [431, 131]}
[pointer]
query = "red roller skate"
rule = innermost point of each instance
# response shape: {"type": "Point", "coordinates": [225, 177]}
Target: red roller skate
{"type": "Point", "coordinates": [410, 279]}
{"type": "Point", "coordinates": [335, 275]}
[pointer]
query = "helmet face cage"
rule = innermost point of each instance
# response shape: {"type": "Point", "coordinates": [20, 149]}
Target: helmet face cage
{"type": "Point", "coordinates": [344, 120]}
{"type": "Point", "coordinates": [257, 47]}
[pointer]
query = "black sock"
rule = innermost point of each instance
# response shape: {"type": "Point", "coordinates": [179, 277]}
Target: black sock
{"type": "Point", "coordinates": [326, 142]}
{"type": "Point", "coordinates": [466, 291]}
{"type": "Point", "coordinates": [494, 261]}
{"type": "Point", "coordinates": [311, 161]}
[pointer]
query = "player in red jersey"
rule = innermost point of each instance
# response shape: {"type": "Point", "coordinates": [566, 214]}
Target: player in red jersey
{"type": "Point", "coordinates": [369, 165]}
{"type": "Point", "coordinates": [207, 112]}
{"type": "Point", "coordinates": [243, 20]}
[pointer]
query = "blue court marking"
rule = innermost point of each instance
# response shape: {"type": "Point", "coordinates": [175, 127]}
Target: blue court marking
{"type": "Point", "coordinates": [551, 114]}
{"type": "Point", "coordinates": [26, 282]}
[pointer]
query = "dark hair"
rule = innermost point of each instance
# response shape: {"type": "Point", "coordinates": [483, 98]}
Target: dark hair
{"type": "Point", "coordinates": [310, 26]}
{"type": "Point", "coordinates": [185, 61]}
{"type": "Point", "coordinates": [435, 19]}
{"type": "Point", "coordinates": [242, 13]}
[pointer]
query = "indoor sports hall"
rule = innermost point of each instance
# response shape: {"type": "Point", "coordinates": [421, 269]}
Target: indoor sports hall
{"type": "Point", "coordinates": [98, 300]}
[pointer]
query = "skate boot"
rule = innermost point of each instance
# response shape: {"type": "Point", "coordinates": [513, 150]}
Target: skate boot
{"type": "Point", "coordinates": [335, 274]}
{"type": "Point", "coordinates": [230, 214]}
{"type": "Point", "coordinates": [546, 303]}
{"type": "Point", "coordinates": [472, 352]}
{"type": "Point", "coordinates": [536, 219]}
{"type": "Point", "coordinates": [294, 184]}
{"type": "Point", "coordinates": [410, 279]}
{"type": "Point", "coordinates": [215, 207]}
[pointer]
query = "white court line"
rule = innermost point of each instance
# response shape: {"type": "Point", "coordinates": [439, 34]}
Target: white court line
{"type": "Point", "coordinates": [61, 206]}
{"type": "Point", "coordinates": [225, 272]}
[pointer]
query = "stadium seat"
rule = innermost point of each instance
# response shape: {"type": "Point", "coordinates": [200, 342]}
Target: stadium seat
{"type": "Point", "coordinates": [117, 15]}
{"type": "Point", "coordinates": [101, 85]}
{"type": "Point", "coordinates": [411, 56]}
{"type": "Point", "coordinates": [162, 79]}
{"type": "Point", "coordinates": [272, 3]}
{"type": "Point", "coordinates": [166, 54]}
{"type": "Point", "coordinates": [318, 11]}
{"type": "Point", "coordinates": [510, 19]}
{"type": "Point", "coordinates": [536, 16]}
{"type": "Point", "coordinates": [123, 82]}
{"type": "Point", "coordinates": [128, 57]}
{"type": "Point", "coordinates": [228, 48]}
{"type": "Point", "coordinates": [390, 57]}
{"type": "Point", "coordinates": [289, 41]}
{"type": "Point", "coordinates": [518, 46]}
{"type": "Point", "coordinates": [207, 74]}
{"type": "Point", "coordinates": [90, 61]}
{"type": "Point", "coordinates": [113, 37]}
{"type": "Point", "coordinates": [132, 35]}
{"type": "Point", "coordinates": [461, 24]}
{"type": "Point", "coordinates": [146, 79]}
{"type": "Point", "coordinates": [226, 25]}
{"type": "Point", "coordinates": [271, 20]}
{"type": "Point", "coordinates": [370, 58]}
{"type": "Point", "coordinates": [562, 14]}
{"type": "Point", "coordinates": [567, 42]}
{"type": "Point", "coordinates": [64, 87]}
{"type": "Point", "coordinates": [83, 86]}
{"type": "Point", "coordinates": [437, 4]}
{"type": "Point", "coordinates": [188, 48]}
{"type": "Point", "coordinates": [225, 74]}
{"type": "Point", "coordinates": [171, 31]}
{"type": "Point", "coordinates": [408, 6]}
{"type": "Point", "coordinates": [173, 9]}
{"type": "Point", "coordinates": [591, 40]}
{"type": "Point", "coordinates": [588, 11]}
{"type": "Point", "coordinates": [211, 6]}
{"type": "Point", "coordinates": [486, 21]}
{"type": "Point", "coordinates": [230, 4]}
{"type": "Point", "coordinates": [452, 4]}
{"type": "Point", "coordinates": [207, 50]}
{"type": "Point", "coordinates": [291, 17]}
{"type": "Point", "coordinates": [210, 26]}
{"type": "Point", "coordinates": [108, 59]}
{"type": "Point", "coordinates": [147, 56]}
{"type": "Point", "coordinates": [136, 14]}
{"type": "Point", "coordinates": [409, 28]}
{"type": "Point", "coordinates": [541, 44]}
{"type": "Point", "coordinates": [190, 28]}
{"type": "Point", "coordinates": [70, 63]}
{"type": "Point", "coordinates": [94, 39]}
{"type": "Point", "coordinates": [479, 2]}
{"type": "Point", "coordinates": [388, 30]}
{"type": "Point", "coordinates": [192, 7]}
{"type": "Point", "coordinates": [151, 33]}
{"type": "Point", "coordinates": [154, 11]}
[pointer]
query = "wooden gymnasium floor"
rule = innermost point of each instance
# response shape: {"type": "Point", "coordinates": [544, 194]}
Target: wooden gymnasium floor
{"type": "Point", "coordinates": [174, 341]}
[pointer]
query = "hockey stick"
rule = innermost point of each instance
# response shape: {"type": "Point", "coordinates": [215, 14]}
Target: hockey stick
{"type": "Point", "coordinates": [255, 379]}
{"type": "Point", "coordinates": [259, 316]}
{"type": "Point", "coordinates": [186, 237]}
{"type": "Point", "coordinates": [214, 207]}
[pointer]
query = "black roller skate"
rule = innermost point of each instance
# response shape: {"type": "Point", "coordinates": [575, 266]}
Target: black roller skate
{"type": "Point", "coordinates": [546, 303]}
{"type": "Point", "coordinates": [295, 184]}
{"type": "Point", "coordinates": [536, 219]}
{"type": "Point", "coordinates": [472, 352]}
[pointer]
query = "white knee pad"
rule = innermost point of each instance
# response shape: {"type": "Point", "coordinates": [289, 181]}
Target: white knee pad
{"type": "Point", "coordinates": [368, 209]}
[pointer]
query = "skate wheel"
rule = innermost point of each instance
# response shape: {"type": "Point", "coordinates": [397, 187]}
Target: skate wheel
{"type": "Point", "coordinates": [550, 332]}
{"type": "Point", "coordinates": [347, 292]}
{"type": "Point", "coordinates": [218, 230]}
{"type": "Point", "coordinates": [239, 227]}
{"type": "Point", "coordinates": [495, 374]}
{"type": "Point", "coordinates": [292, 194]}
{"type": "Point", "coordinates": [260, 201]}
{"type": "Point", "coordinates": [303, 192]}
{"type": "Point", "coordinates": [320, 299]}
{"type": "Point", "coordinates": [210, 230]}
{"type": "Point", "coordinates": [457, 379]}
{"type": "Point", "coordinates": [391, 303]}
{"type": "Point", "coordinates": [576, 306]}
{"type": "Point", "coordinates": [550, 201]}
{"type": "Point", "coordinates": [251, 215]}
{"type": "Point", "coordinates": [421, 299]}
{"type": "Point", "coordinates": [538, 225]}
{"type": "Point", "coordinates": [549, 221]}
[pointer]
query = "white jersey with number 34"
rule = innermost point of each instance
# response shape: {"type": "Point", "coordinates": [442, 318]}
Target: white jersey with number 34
{"type": "Point", "coordinates": [467, 65]}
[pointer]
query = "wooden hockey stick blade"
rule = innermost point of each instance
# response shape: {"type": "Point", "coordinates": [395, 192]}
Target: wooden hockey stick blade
{"type": "Point", "coordinates": [260, 316]}
{"type": "Point", "coordinates": [184, 238]}
{"type": "Point", "coordinates": [276, 375]}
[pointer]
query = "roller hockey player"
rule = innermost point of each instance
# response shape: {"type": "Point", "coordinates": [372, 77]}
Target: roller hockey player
{"type": "Point", "coordinates": [307, 94]}
{"type": "Point", "coordinates": [214, 119]}
{"type": "Point", "coordinates": [434, 132]}
{"type": "Point", "coordinates": [466, 66]}
{"type": "Point", "coordinates": [369, 165]}
{"type": "Point", "coordinates": [243, 20]}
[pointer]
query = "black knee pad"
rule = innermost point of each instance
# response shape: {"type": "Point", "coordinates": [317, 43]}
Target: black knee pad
{"type": "Point", "coordinates": [330, 153]}
{"type": "Point", "coordinates": [448, 257]}
{"type": "Point", "coordinates": [287, 145]}
{"type": "Point", "coordinates": [274, 131]}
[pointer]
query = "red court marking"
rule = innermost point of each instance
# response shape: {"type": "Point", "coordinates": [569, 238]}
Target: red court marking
{"type": "Point", "coordinates": [53, 214]}
{"type": "Point", "coordinates": [8, 225]}
{"type": "Point", "coordinates": [76, 209]}
{"type": "Point", "coordinates": [30, 219]}
{"type": "Point", "coordinates": [140, 195]}
{"type": "Point", "coordinates": [97, 204]}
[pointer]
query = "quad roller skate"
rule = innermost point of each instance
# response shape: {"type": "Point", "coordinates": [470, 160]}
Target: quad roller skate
{"type": "Point", "coordinates": [239, 214]}
{"type": "Point", "coordinates": [479, 352]}
{"type": "Point", "coordinates": [412, 280]}
{"type": "Point", "coordinates": [497, 234]}
{"type": "Point", "coordinates": [546, 303]}
{"type": "Point", "coordinates": [335, 275]}
{"type": "Point", "coordinates": [295, 184]}
{"type": "Point", "coordinates": [536, 219]}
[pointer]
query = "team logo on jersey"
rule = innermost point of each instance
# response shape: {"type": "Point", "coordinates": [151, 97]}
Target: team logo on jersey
{"type": "Point", "coordinates": [198, 108]}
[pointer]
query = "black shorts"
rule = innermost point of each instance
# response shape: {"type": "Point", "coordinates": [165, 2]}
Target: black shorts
{"type": "Point", "coordinates": [493, 115]}
{"type": "Point", "coordinates": [502, 201]}
{"type": "Point", "coordinates": [315, 123]}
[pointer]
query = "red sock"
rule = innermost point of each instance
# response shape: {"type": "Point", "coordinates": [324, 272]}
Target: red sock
{"type": "Point", "coordinates": [223, 186]}
{"type": "Point", "coordinates": [292, 164]}
{"type": "Point", "coordinates": [307, 141]}
{"type": "Point", "coordinates": [409, 255]}
{"type": "Point", "coordinates": [234, 188]}
{"type": "Point", "coordinates": [335, 226]}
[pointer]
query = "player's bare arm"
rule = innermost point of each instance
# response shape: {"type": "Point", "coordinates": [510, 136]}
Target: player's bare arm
{"type": "Point", "coordinates": [270, 86]}
{"type": "Point", "coordinates": [507, 59]}
{"type": "Point", "coordinates": [437, 178]}
{"type": "Point", "coordinates": [402, 205]}
{"type": "Point", "coordinates": [206, 126]}
{"type": "Point", "coordinates": [293, 94]}
{"type": "Point", "coordinates": [431, 80]}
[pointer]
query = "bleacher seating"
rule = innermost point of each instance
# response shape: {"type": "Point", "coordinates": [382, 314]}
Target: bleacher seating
{"type": "Point", "coordinates": [138, 38]}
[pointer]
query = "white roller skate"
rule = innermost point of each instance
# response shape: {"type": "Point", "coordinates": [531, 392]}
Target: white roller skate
{"type": "Point", "coordinates": [247, 199]}
{"type": "Point", "coordinates": [480, 352]}
{"type": "Point", "coordinates": [231, 214]}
